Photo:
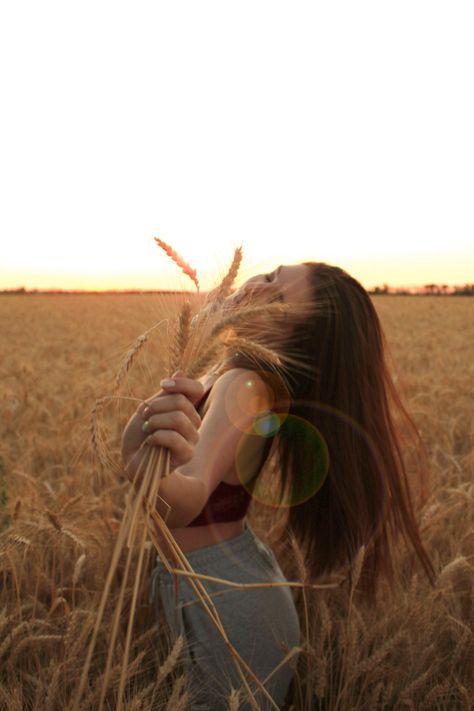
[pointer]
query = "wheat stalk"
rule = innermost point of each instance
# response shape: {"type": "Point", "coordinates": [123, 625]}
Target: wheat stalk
{"type": "Point", "coordinates": [374, 660]}
{"type": "Point", "coordinates": [181, 337]}
{"type": "Point", "coordinates": [53, 687]}
{"type": "Point", "coordinates": [355, 573]}
{"type": "Point", "coordinates": [176, 700]}
{"type": "Point", "coordinates": [253, 349]}
{"type": "Point", "coordinates": [78, 568]}
{"type": "Point", "coordinates": [417, 683]}
{"type": "Point", "coordinates": [234, 700]}
{"type": "Point", "coordinates": [14, 540]}
{"type": "Point", "coordinates": [246, 314]}
{"type": "Point", "coordinates": [38, 639]}
{"type": "Point", "coordinates": [140, 698]}
{"type": "Point", "coordinates": [16, 631]}
{"type": "Point", "coordinates": [4, 621]}
{"type": "Point", "coordinates": [69, 534]}
{"type": "Point", "coordinates": [130, 358]}
{"type": "Point", "coordinates": [195, 343]}
{"type": "Point", "coordinates": [54, 520]}
{"type": "Point", "coordinates": [204, 361]}
{"type": "Point", "coordinates": [184, 266]}
{"type": "Point", "coordinates": [71, 502]}
{"type": "Point", "coordinates": [171, 660]}
{"type": "Point", "coordinates": [221, 292]}
{"type": "Point", "coordinates": [75, 628]}
{"type": "Point", "coordinates": [96, 438]}
{"type": "Point", "coordinates": [319, 657]}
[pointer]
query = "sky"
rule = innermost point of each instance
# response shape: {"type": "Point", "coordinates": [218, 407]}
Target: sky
{"type": "Point", "coordinates": [337, 132]}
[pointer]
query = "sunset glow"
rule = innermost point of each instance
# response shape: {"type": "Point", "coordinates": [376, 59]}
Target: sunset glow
{"type": "Point", "coordinates": [326, 133]}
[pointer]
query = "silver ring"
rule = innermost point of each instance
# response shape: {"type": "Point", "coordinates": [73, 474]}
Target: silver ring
{"type": "Point", "coordinates": [145, 426]}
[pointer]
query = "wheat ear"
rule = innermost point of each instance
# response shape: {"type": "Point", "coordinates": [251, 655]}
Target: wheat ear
{"type": "Point", "coordinates": [191, 273]}
{"type": "Point", "coordinates": [355, 572]}
{"type": "Point", "coordinates": [127, 528]}
{"type": "Point", "coordinates": [203, 362]}
{"type": "Point", "coordinates": [97, 439]}
{"type": "Point", "coordinates": [130, 358]}
{"type": "Point", "coordinates": [217, 295]}
{"type": "Point", "coordinates": [253, 349]}
{"type": "Point", "coordinates": [241, 316]}
{"type": "Point", "coordinates": [181, 338]}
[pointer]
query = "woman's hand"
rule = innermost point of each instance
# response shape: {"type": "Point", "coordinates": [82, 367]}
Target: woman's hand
{"type": "Point", "coordinates": [167, 419]}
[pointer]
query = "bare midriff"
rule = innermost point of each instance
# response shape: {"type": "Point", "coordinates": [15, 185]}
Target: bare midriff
{"type": "Point", "coordinates": [190, 539]}
{"type": "Point", "coordinates": [194, 537]}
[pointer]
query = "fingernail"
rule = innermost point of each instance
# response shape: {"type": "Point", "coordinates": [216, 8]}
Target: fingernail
{"type": "Point", "coordinates": [146, 411]}
{"type": "Point", "coordinates": [145, 426]}
{"type": "Point", "coordinates": [167, 383]}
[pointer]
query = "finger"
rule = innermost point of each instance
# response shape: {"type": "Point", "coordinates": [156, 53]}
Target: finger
{"type": "Point", "coordinates": [171, 403]}
{"type": "Point", "coordinates": [181, 450]}
{"type": "Point", "coordinates": [172, 421]}
{"type": "Point", "coordinates": [193, 389]}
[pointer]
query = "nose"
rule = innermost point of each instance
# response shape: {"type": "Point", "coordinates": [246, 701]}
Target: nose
{"type": "Point", "coordinates": [252, 287]}
{"type": "Point", "coordinates": [255, 282]}
{"type": "Point", "coordinates": [255, 286]}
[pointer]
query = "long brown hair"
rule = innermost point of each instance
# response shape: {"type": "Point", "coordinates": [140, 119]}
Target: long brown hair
{"type": "Point", "coordinates": [357, 475]}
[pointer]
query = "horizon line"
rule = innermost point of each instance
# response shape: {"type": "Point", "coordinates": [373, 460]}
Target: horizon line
{"type": "Point", "coordinates": [381, 289]}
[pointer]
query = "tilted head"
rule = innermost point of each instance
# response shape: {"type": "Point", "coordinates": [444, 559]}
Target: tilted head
{"type": "Point", "coordinates": [339, 334]}
{"type": "Point", "coordinates": [340, 384]}
{"type": "Point", "coordinates": [287, 284]}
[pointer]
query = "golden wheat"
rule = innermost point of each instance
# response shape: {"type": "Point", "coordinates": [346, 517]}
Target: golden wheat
{"type": "Point", "coordinates": [221, 292]}
{"type": "Point", "coordinates": [241, 316]}
{"type": "Point", "coordinates": [48, 465]}
{"type": "Point", "coordinates": [181, 338]}
{"type": "Point", "coordinates": [78, 568]}
{"type": "Point", "coordinates": [130, 358]}
{"type": "Point", "coordinates": [172, 659]}
{"type": "Point", "coordinates": [179, 698]}
{"type": "Point", "coordinates": [184, 266]}
{"type": "Point", "coordinates": [204, 361]}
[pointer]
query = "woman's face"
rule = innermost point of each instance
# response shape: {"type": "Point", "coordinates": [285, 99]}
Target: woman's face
{"type": "Point", "coordinates": [288, 284]}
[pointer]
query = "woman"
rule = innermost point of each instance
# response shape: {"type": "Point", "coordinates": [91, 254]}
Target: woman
{"type": "Point", "coordinates": [336, 448]}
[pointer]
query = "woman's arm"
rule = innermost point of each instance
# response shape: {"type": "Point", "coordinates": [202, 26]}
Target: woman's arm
{"type": "Point", "coordinates": [172, 422]}
{"type": "Point", "coordinates": [200, 463]}
{"type": "Point", "coordinates": [236, 398]}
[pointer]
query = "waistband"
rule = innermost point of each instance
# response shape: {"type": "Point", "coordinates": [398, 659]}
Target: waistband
{"type": "Point", "coordinates": [208, 554]}
{"type": "Point", "coordinates": [235, 549]}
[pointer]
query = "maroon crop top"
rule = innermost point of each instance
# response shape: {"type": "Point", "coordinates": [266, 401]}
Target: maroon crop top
{"type": "Point", "coordinates": [228, 502]}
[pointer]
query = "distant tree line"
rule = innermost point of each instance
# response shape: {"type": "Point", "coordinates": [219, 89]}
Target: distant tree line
{"type": "Point", "coordinates": [431, 289]}
{"type": "Point", "coordinates": [23, 290]}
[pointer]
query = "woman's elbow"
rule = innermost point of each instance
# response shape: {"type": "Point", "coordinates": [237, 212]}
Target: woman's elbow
{"type": "Point", "coordinates": [180, 499]}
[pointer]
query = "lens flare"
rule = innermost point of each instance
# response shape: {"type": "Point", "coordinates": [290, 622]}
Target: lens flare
{"type": "Point", "coordinates": [267, 424]}
{"type": "Point", "coordinates": [248, 399]}
{"type": "Point", "coordinates": [262, 413]}
{"type": "Point", "coordinates": [305, 437]}
{"type": "Point", "coordinates": [302, 434]}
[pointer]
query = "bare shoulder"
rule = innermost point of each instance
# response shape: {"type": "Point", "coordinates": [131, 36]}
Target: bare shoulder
{"type": "Point", "coordinates": [235, 399]}
{"type": "Point", "coordinates": [244, 385]}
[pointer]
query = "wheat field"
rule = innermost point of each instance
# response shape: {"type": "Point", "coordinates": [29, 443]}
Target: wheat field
{"type": "Point", "coordinates": [60, 509]}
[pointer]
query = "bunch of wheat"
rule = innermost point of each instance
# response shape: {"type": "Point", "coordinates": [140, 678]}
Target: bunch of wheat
{"type": "Point", "coordinates": [198, 342]}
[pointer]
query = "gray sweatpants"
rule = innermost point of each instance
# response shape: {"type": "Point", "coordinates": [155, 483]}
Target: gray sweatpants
{"type": "Point", "coordinates": [261, 623]}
